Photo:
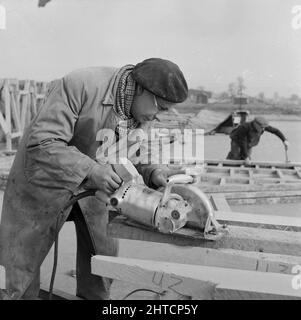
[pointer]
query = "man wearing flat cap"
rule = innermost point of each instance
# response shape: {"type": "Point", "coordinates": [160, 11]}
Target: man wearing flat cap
{"type": "Point", "coordinates": [57, 156]}
{"type": "Point", "coordinates": [247, 135]}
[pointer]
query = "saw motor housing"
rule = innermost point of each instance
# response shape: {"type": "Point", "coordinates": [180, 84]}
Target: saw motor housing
{"type": "Point", "coordinates": [148, 207]}
{"type": "Point", "coordinates": [168, 210]}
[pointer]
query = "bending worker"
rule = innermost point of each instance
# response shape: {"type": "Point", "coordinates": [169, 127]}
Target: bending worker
{"type": "Point", "coordinates": [56, 157]}
{"type": "Point", "coordinates": [247, 135]}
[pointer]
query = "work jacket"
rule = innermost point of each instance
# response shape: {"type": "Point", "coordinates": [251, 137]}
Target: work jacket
{"type": "Point", "coordinates": [55, 155]}
{"type": "Point", "coordinates": [247, 135]}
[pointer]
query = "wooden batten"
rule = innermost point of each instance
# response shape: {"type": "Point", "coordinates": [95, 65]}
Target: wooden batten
{"type": "Point", "coordinates": [238, 238]}
{"type": "Point", "coordinates": [259, 220]}
{"type": "Point", "coordinates": [7, 115]}
{"type": "Point", "coordinates": [56, 294]}
{"type": "Point", "coordinates": [198, 282]}
{"type": "Point", "coordinates": [219, 202]}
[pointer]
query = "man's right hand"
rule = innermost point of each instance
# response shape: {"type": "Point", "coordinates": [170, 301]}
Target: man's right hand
{"type": "Point", "coordinates": [104, 179]}
{"type": "Point", "coordinates": [247, 160]}
{"type": "Point", "coordinates": [286, 144]}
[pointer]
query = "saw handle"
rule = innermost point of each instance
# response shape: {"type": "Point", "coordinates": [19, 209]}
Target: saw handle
{"type": "Point", "coordinates": [177, 178]}
{"type": "Point", "coordinates": [167, 194]}
{"type": "Point", "coordinates": [180, 178]}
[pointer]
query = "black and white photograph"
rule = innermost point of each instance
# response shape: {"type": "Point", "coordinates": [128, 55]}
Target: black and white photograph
{"type": "Point", "coordinates": [150, 150]}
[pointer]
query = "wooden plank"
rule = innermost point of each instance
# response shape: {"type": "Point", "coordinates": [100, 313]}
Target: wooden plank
{"type": "Point", "coordinates": [247, 187]}
{"type": "Point", "coordinates": [264, 201]}
{"type": "Point", "coordinates": [16, 134]}
{"type": "Point", "coordinates": [250, 172]}
{"type": "Point", "coordinates": [33, 102]}
{"type": "Point", "coordinates": [254, 164]}
{"type": "Point", "coordinates": [240, 170]}
{"type": "Point", "coordinates": [263, 197]}
{"type": "Point", "coordinates": [219, 202]}
{"type": "Point", "coordinates": [239, 238]}
{"type": "Point", "coordinates": [25, 104]}
{"type": "Point", "coordinates": [298, 173]}
{"type": "Point", "coordinates": [7, 115]}
{"type": "Point", "coordinates": [3, 124]}
{"type": "Point", "coordinates": [245, 180]}
{"type": "Point", "coordinates": [15, 113]}
{"type": "Point", "coordinates": [225, 258]}
{"type": "Point", "coordinates": [249, 219]}
{"type": "Point", "coordinates": [280, 175]}
{"type": "Point", "coordinates": [244, 260]}
{"type": "Point", "coordinates": [2, 277]}
{"type": "Point", "coordinates": [56, 294]}
{"type": "Point", "coordinates": [262, 194]}
{"type": "Point", "coordinates": [200, 282]}
{"type": "Point", "coordinates": [24, 92]}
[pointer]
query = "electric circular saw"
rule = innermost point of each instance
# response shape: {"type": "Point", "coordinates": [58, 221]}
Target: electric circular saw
{"type": "Point", "coordinates": [180, 205]}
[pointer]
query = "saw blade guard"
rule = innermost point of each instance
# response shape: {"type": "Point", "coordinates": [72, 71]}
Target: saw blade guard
{"type": "Point", "coordinates": [201, 216]}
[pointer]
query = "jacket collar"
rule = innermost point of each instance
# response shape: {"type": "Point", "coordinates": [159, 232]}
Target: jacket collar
{"type": "Point", "coordinates": [109, 97]}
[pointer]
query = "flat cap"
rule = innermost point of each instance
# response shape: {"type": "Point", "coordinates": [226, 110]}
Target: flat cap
{"type": "Point", "coordinates": [263, 122]}
{"type": "Point", "coordinates": [163, 78]}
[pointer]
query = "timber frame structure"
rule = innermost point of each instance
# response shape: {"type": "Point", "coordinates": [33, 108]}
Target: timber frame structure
{"type": "Point", "coordinates": [258, 258]}
{"type": "Point", "coordinates": [19, 103]}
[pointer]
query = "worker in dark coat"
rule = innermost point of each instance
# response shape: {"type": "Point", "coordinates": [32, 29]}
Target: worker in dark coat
{"type": "Point", "coordinates": [57, 157]}
{"type": "Point", "coordinates": [247, 135]}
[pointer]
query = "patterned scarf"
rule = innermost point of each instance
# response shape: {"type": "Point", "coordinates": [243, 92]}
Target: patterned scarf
{"type": "Point", "coordinates": [124, 100]}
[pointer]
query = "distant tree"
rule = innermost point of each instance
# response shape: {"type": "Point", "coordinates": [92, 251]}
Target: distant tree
{"type": "Point", "coordinates": [276, 96]}
{"type": "Point", "coordinates": [201, 88]}
{"type": "Point", "coordinates": [240, 86]}
{"type": "Point", "coordinates": [261, 96]}
{"type": "Point", "coordinates": [223, 95]}
{"type": "Point", "coordinates": [232, 89]}
{"type": "Point", "coordinates": [294, 97]}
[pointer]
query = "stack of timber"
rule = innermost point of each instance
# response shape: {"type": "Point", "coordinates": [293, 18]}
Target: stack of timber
{"type": "Point", "coordinates": [258, 258]}
{"type": "Point", "coordinates": [255, 183]}
{"type": "Point", "coordinates": [254, 260]}
{"type": "Point", "coordinates": [19, 103]}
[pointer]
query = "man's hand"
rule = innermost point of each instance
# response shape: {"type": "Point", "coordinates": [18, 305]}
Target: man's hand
{"type": "Point", "coordinates": [247, 160]}
{"type": "Point", "coordinates": [286, 144]}
{"type": "Point", "coordinates": [105, 180]}
{"type": "Point", "coordinates": [159, 176]}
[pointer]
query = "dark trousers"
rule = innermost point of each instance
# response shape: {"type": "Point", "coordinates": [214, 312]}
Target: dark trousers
{"type": "Point", "coordinates": [235, 152]}
{"type": "Point", "coordinates": [89, 286]}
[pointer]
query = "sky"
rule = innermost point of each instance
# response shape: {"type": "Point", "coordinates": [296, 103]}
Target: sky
{"type": "Point", "coordinates": [212, 41]}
